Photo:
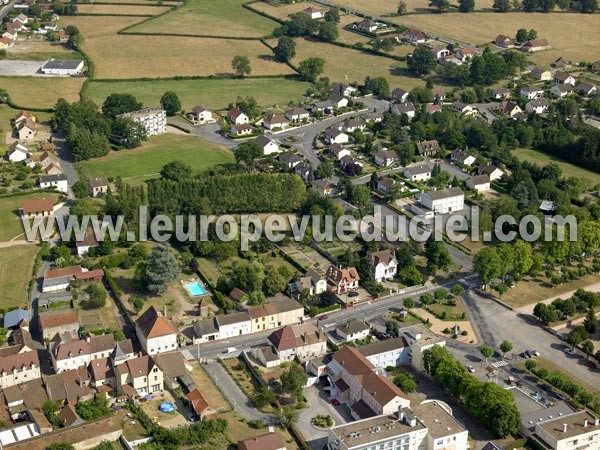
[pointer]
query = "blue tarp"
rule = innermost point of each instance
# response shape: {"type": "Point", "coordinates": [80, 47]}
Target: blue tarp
{"type": "Point", "coordinates": [12, 318]}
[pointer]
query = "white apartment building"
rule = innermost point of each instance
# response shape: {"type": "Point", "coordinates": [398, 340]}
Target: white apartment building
{"type": "Point", "coordinates": [154, 120]}
{"type": "Point", "coordinates": [390, 352]}
{"type": "Point", "coordinates": [444, 201]}
{"type": "Point", "coordinates": [570, 432]}
{"type": "Point", "coordinates": [234, 324]}
{"type": "Point", "coordinates": [419, 339]}
{"type": "Point", "coordinates": [68, 353]}
{"type": "Point", "coordinates": [17, 365]}
{"type": "Point", "coordinates": [156, 333]}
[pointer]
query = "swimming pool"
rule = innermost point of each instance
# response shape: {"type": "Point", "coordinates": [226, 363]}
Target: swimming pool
{"type": "Point", "coordinates": [196, 289]}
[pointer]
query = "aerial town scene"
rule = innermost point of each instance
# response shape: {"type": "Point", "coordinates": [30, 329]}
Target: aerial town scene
{"type": "Point", "coordinates": [299, 224]}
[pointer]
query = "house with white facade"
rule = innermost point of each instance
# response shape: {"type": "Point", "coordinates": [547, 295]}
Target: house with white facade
{"type": "Point", "coordinates": [385, 158]}
{"type": "Point", "coordinates": [562, 90]}
{"type": "Point", "coordinates": [407, 108]}
{"type": "Point", "coordinates": [389, 352]}
{"type": "Point", "coordinates": [68, 351]}
{"type": "Point", "coordinates": [538, 106]}
{"type": "Point", "coordinates": [531, 92]}
{"type": "Point", "coordinates": [313, 13]}
{"type": "Point", "coordinates": [342, 280]}
{"type": "Point", "coordinates": [384, 265]}
{"type": "Point", "coordinates": [338, 152]}
{"type": "Point", "coordinates": [200, 115]}
{"type": "Point", "coordinates": [415, 36]}
{"type": "Point", "coordinates": [303, 341]}
{"type": "Point", "coordinates": [237, 117]}
{"type": "Point", "coordinates": [57, 182]}
{"type": "Point", "coordinates": [154, 120]}
{"type": "Point", "coordinates": [17, 152]}
{"type": "Point", "coordinates": [234, 324]}
{"type": "Point", "coordinates": [492, 170]}
{"type": "Point", "coordinates": [296, 114]}
{"type": "Point", "coordinates": [18, 364]}
{"type": "Point", "coordinates": [156, 333]}
{"type": "Point", "coordinates": [353, 330]}
{"type": "Point", "coordinates": [139, 377]}
{"type": "Point", "coordinates": [443, 201]}
{"type": "Point", "coordinates": [273, 121]}
{"type": "Point", "coordinates": [564, 78]}
{"type": "Point", "coordinates": [479, 183]}
{"type": "Point", "coordinates": [335, 136]}
{"type": "Point", "coordinates": [419, 339]}
{"type": "Point", "coordinates": [62, 67]}
{"type": "Point", "coordinates": [420, 172]}
{"type": "Point", "coordinates": [313, 281]}
{"type": "Point", "coordinates": [462, 158]}
{"type": "Point", "coordinates": [268, 146]}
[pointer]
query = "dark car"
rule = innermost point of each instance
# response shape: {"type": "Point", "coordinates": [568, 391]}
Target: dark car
{"type": "Point", "coordinates": [353, 294]}
{"type": "Point", "coordinates": [592, 365]}
{"type": "Point", "coordinates": [335, 402]}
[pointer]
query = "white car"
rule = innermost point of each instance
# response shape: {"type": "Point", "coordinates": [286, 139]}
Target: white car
{"type": "Point", "coordinates": [568, 351]}
{"type": "Point", "coordinates": [471, 369]}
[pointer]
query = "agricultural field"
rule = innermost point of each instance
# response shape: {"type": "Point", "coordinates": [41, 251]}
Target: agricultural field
{"type": "Point", "coordinates": [10, 218]}
{"type": "Point", "coordinates": [16, 266]}
{"type": "Point", "coordinates": [29, 49]}
{"type": "Point", "coordinates": [568, 169]}
{"type": "Point", "coordinates": [283, 11]}
{"type": "Point", "coordinates": [39, 92]}
{"type": "Point", "coordinates": [94, 27]}
{"type": "Point", "coordinates": [348, 65]}
{"type": "Point", "coordinates": [198, 17]}
{"type": "Point", "coordinates": [576, 45]}
{"type": "Point", "coordinates": [213, 94]}
{"type": "Point", "coordinates": [141, 10]}
{"type": "Point", "coordinates": [148, 159]}
{"type": "Point", "coordinates": [143, 2]}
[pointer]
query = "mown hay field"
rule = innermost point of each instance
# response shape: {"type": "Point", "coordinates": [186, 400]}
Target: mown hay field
{"type": "Point", "coordinates": [16, 266]}
{"type": "Point", "coordinates": [199, 17]}
{"type": "Point", "coordinates": [568, 169]}
{"type": "Point", "coordinates": [348, 65]}
{"type": "Point", "coordinates": [142, 10]}
{"type": "Point", "coordinates": [283, 11]}
{"type": "Point", "coordinates": [141, 2]}
{"type": "Point", "coordinates": [94, 27]}
{"type": "Point", "coordinates": [211, 93]}
{"type": "Point", "coordinates": [40, 92]}
{"type": "Point", "coordinates": [573, 36]}
{"type": "Point", "coordinates": [11, 225]}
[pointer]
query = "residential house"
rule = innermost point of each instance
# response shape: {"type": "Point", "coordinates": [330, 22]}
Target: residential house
{"type": "Point", "coordinates": [60, 321]}
{"type": "Point", "coordinates": [535, 45]}
{"type": "Point", "coordinates": [266, 441]}
{"type": "Point", "coordinates": [586, 89]}
{"type": "Point", "coordinates": [68, 416]}
{"type": "Point", "coordinates": [510, 109]}
{"type": "Point", "coordinates": [237, 117]}
{"type": "Point", "coordinates": [154, 120]}
{"type": "Point", "coordinates": [42, 207]}
{"type": "Point", "coordinates": [60, 279]}
{"type": "Point", "coordinates": [415, 36]}
{"type": "Point", "coordinates": [537, 105]}
{"type": "Point", "coordinates": [444, 200]}
{"type": "Point", "coordinates": [312, 281]}
{"type": "Point", "coordinates": [17, 152]}
{"type": "Point", "coordinates": [337, 101]}
{"type": "Point", "coordinates": [420, 172]}
{"type": "Point", "coordinates": [562, 63]}
{"type": "Point", "coordinates": [400, 95]}
{"type": "Point", "coordinates": [504, 41]}
{"type": "Point", "coordinates": [439, 53]}
{"type": "Point", "coordinates": [385, 158]}
{"type": "Point", "coordinates": [139, 377]}
{"type": "Point", "coordinates": [462, 158]}
{"type": "Point", "coordinates": [272, 121]}
{"type": "Point", "coordinates": [374, 117]}
{"type": "Point", "coordinates": [463, 108]}
{"type": "Point", "coordinates": [313, 13]}
{"type": "Point", "coordinates": [56, 182]}
{"type": "Point", "coordinates": [69, 352]}
{"type": "Point", "coordinates": [233, 324]}
{"type": "Point", "coordinates": [102, 374]}
{"type": "Point", "coordinates": [493, 171]}
{"type": "Point", "coordinates": [13, 319]}
{"type": "Point", "coordinates": [353, 330]}
{"type": "Point", "coordinates": [428, 148]}
{"type": "Point", "coordinates": [268, 146]}
{"type": "Point", "coordinates": [419, 339]}
{"type": "Point", "coordinates": [338, 152]}
{"type": "Point", "coordinates": [205, 330]}
{"type": "Point", "coordinates": [343, 90]}
{"type": "Point", "coordinates": [304, 171]}
{"type": "Point", "coordinates": [407, 108]}
{"type": "Point", "coordinates": [290, 160]}
{"type": "Point", "coordinates": [10, 34]}
{"type": "Point", "coordinates": [540, 74]}
{"type": "Point", "coordinates": [199, 405]}
{"type": "Point", "coordinates": [88, 242]}
{"type": "Point", "coordinates": [62, 67]}
{"type": "Point", "coordinates": [53, 169]}
{"type": "Point", "coordinates": [354, 381]}
{"type": "Point", "coordinates": [241, 130]}
{"type": "Point", "coordinates": [439, 94]}
{"type": "Point", "coordinates": [273, 314]}
{"type": "Point", "coordinates": [562, 90]}
{"type": "Point", "coordinates": [98, 186]}
{"type": "Point", "coordinates": [6, 42]}
{"type": "Point", "coordinates": [323, 186]}
{"type": "Point", "coordinates": [479, 183]}
{"type": "Point", "coordinates": [351, 165]}
{"type": "Point", "coordinates": [384, 265]}
{"type": "Point", "coordinates": [431, 108]}
{"type": "Point", "coordinates": [367, 25]}
{"type": "Point", "coordinates": [465, 54]}
{"type": "Point", "coordinates": [564, 78]}
{"type": "Point", "coordinates": [21, 18]}
{"type": "Point", "coordinates": [389, 352]}
{"type": "Point", "coordinates": [18, 365]}
{"type": "Point", "coordinates": [290, 342]}
{"type": "Point", "coordinates": [385, 185]}
{"type": "Point", "coordinates": [155, 332]}
{"type": "Point", "coordinates": [342, 280]}
{"type": "Point", "coordinates": [26, 129]}
{"type": "Point", "coordinates": [200, 115]}
{"type": "Point", "coordinates": [334, 136]}
{"type": "Point", "coordinates": [531, 92]}
{"type": "Point", "coordinates": [297, 114]}
{"type": "Point", "coordinates": [443, 430]}
{"type": "Point", "coordinates": [174, 367]}
{"type": "Point", "coordinates": [595, 67]}
{"type": "Point", "coordinates": [351, 125]}
{"type": "Point", "coordinates": [501, 93]}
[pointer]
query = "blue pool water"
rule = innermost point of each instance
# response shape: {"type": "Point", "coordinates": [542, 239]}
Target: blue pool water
{"type": "Point", "coordinates": [196, 289]}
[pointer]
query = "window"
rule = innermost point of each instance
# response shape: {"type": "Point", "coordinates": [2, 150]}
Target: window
{"type": "Point", "coordinates": [155, 378]}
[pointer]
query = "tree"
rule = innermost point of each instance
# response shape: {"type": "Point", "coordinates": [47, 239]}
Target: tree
{"type": "Point", "coordinates": [286, 416]}
{"type": "Point", "coordinates": [61, 446]}
{"type": "Point", "coordinates": [422, 61]}
{"type": "Point", "coordinates": [440, 294]}
{"type": "Point", "coordinates": [530, 364]}
{"type": "Point", "coordinates": [401, 8]}
{"type": "Point", "coordinates": [285, 50]}
{"type": "Point", "coordinates": [487, 264]}
{"type": "Point", "coordinates": [588, 6]}
{"type": "Point", "coordinates": [263, 397]}
{"type": "Point", "coordinates": [94, 409]}
{"type": "Point", "coordinates": [532, 34]}
{"type": "Point", "coordinates": [379, 86]}
{"type": "Point", "coordinates": [392, 328]}
{"type": "Point", "coordinates": [486, 351]}
{"type": "Point", "coordinates": [590, 321]}
{"type": "Point", "coordinates": [457, 290]}
{"type": "Point", "coordinates": [176, 170]}
{"type": "Point", "coordinates": [466, 5]}
{"type": "Point", "coordinates": [409, 303]}
{"type": "Point", "coordinates": [440, 5]}
{"type": "Point", "coordinates": [162, 268]}
{"type": "Point", "coordinates": [328, 31]}
{"type": "Point", "coordinates": [325, 170]}
{"type": "Point", "coordinates": [241, 65]}
{"type": "Point", "coordinates": [97, 296]}
{"type": "Point", "coordinates": [521, 35]}
{"type": "Point", "coordinates": [406, 382]}
{"type": "Point", "coordinates": [80, 189]}
{"type": "Point", "coordinates": [333, 15]}
{"type": "Point", "coordinates": [438, 257]}
{"type": "Point", "coordinates": [274, 282]}
{"type": "Point", "coordinates": [50, 410]}
{"type": "Point", "coordinates": [505, 347]}
{"type": "Point", "coordinates": [247, 152]}
{"type": "Point", "coordinates": [588, 348]}
{"type": "Point", "coordinates": [170, 103]}
{"type": "Point", "coordinates": [410, 275]}
{"type": "Point", "coordinates": [501, 5]}
{"type": "Point", "coordinates": [293, 380]}
{"type": "Point", "coordinates": [131, 132]}
{"type": "Point", "coordinates": [311, 68]}
{"type": "Point", "coordinates": [116, 104]}
{"type": "Point", "coordinates": [522, 257]}
{"type": "Point", "coordinates": [577, 336]}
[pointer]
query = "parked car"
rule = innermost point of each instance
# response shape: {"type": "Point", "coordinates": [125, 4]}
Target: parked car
{"type": "Point", "coordinates": [353, 294]}
{"type": "Point", "coordinates": [511, 381]}
{"type": "Point", "coordinates": [568, 350]}
{"type": "Point", "coordinates": [535, 352]}
{"type": "Point", "coordinates": [335, 402]}
{"type": "Point", "coordinates": [323, 317]}
{"type": "Point", "coordinates": [561, 396]}
{"type": "Point", "coordinates": [471, 369]}
{"type": "Point", "coordinates": [524, 355]}
{"type": "Point", "coordinates": [535, 394]}
{"type": "Point", "coordinates": [592, 365]}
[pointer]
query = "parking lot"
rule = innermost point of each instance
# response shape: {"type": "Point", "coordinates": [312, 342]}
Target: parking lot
{"type": "Point", "coordinates": [17, 68]}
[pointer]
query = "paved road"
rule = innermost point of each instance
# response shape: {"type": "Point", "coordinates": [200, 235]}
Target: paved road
{"type": "Point", "coordinates": [5, 10]}
{"type": "Point", "coordinates": [238, 400]}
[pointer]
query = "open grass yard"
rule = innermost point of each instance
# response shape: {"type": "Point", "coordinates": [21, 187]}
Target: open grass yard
{"type": "Point", "coordinates": [238, 429]}
{"type": "Point", "coordinates": [100, 318]}
{"type": "Point", "coordinates": [24, 50]}
{"type": "Point", "coordinates": [39, 92]}
{"type": "Point", "coordinates": [568, 169]}
{"type": "Point", "coordinates": [120, 57]}
{"type": "Point", "coordinates": [209, 270]}
{"type": "Point", "coordinates": [141, 10]}
{"type": "Point", "coordinates": [451, 311]}
{"type": "Point", "coordinates": [348, 65]}
{"type": "Point", "coordinates": [16, 265]}
{"type": "Point", "coordinates": [573, 36]}
{"type": "Point", "coordinates": [10, 218]}
{"type": "Point", "coordinates": [202, 17]}
{"type": "Point", "coordinates": [211, 93]}
{"type": "Point", "coordinates": [149, 158]}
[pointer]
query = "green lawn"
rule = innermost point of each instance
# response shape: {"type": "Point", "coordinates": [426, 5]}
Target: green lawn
{"type": "Point", "coordinates": [10, 218]}
{"type": "Point", "coordinates": [201, 17]}
{"type": "Point", "coordinates": [154, 154]}
{"type": "Point", "coordinates": [16, 265]}
{"type": "Point", "coordinates": [569, 170]}
{"type": "Point", "coordinates": [213, 94]}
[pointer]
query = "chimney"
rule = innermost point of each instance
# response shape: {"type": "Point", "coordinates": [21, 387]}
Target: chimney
{"type": "Point", "coordinates": [565, 426]}
{"type": "Point", "coordinates": [165, 310]}
{"type": "Point", "coordinates": [585, 423]}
